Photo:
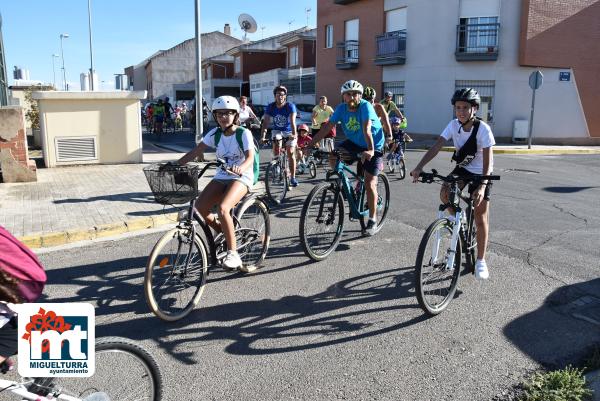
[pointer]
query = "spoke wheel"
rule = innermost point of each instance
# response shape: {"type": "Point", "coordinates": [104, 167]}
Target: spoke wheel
{"type": "Point", "coordinates": [176, 274]}
{"type": "Point", "coordinates": [276, 182]}
{"type": "Point", "coordinates": [312, 169]}
{"type": "Point", "coordinates": [391, 163]}
{"type": "Point", "coordinates": [253, 234]}
{"type": "Point", "coordinates": [383, 202]}
{"type": "Point", "coordinates": [321, 221]}
{"type": "Point", "coordinates": [435, 284]}
{"type": "Point", "coordinates": [402, 169]}
{"type": "Point", "coordinates": [124, 371]}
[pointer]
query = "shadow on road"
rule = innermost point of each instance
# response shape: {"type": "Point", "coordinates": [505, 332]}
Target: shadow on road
{"type": "Point", "coordinates": [552, 335]}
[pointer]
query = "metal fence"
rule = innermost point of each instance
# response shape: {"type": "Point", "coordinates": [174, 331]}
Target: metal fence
{"type": "Point", "coordinates": [347, 52]}
{"type": "Point", "coordinates": [391, 44]}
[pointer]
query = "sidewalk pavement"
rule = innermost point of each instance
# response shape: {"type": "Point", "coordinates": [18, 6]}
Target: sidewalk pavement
{"type": "Point", "coordinates": [71, 204]}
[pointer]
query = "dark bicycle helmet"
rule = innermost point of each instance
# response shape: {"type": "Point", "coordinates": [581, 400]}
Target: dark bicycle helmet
{"type": "Point", "coordinates": [468, 95]}
{"type": "Point", "coordinates": [369, 93]}
{"type": "Point", "coordinates": [279, 88]}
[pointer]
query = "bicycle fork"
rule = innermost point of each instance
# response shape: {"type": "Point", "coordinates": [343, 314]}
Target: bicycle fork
{"type": "Point", "coordinates": [451, 253]}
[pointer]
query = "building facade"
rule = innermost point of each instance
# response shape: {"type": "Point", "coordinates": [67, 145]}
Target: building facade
{"type": "Point", "coordinates": [422, 50]}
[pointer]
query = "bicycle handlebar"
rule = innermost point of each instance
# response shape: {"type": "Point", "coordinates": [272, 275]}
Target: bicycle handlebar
{"type": "Point", "coordinates": [428, 178]}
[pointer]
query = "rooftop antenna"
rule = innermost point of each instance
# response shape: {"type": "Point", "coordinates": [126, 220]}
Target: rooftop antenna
{"type": "Point", "coordinates": [307, 11]}
{"type": "Point", "coordinates": [290, 24]}
{"type": "Point", "coordinates": [248, 24]}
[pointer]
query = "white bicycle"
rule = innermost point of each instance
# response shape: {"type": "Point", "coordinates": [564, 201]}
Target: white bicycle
{"type": "Point", "coordinates": [124, 371]}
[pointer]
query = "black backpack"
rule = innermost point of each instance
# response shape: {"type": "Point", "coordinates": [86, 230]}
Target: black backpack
{"type": "Point", "coordinates": [466, 153]}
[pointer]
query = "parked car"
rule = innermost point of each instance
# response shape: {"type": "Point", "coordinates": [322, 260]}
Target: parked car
{"type": "Point", "coordinates": [304, 115]}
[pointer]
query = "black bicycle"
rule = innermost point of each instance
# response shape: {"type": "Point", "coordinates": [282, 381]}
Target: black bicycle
{"type": "Point", "coordinates": [445, 240]}
{"type": "Point", "coordinates": [179, 263]}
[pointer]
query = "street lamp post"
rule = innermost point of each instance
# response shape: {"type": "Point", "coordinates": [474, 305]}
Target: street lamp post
{"type": "Point", "coordinates": [91, 53]}
{"type": "Point", "coordinates": [62, 54]}
{"type": "Point", "coordinates": [54, 71]}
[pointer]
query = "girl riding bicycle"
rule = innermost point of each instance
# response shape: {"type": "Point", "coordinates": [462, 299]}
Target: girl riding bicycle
{"type": "Point", "coordinates": [473, 140]}
{"type": "Point", "coordinates": [399, 138]}
{"type": "Point", "coordinates": [229, 185]}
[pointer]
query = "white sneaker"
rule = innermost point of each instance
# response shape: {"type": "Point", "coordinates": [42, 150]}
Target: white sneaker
{"type": "Point", "coordinates": [232, 260]}
{"type": "Point", "coordinates": [481, 270]}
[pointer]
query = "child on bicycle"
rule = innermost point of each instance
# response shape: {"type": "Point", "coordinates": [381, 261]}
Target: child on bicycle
{"type": "Point", "coordinates": [399, 138]}
{"type": "Point", "coordinates": [365, 136]}
{"type": "Point", "coordinates": [303, 140]}
{"type": "Point", "coordinates": [22, 279]}
{"type": "Point", "coordinates": [473, 140]}
{"type": "Point", "coordinates": [230, 184]}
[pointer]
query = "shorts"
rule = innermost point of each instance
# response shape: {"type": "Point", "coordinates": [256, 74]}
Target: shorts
{"type": "Point", "coordinates": [159, 119]}
{"type": "Point", "coordinates": [278, 135]}
{"type": "Point", "coordinates": [227, 183]}
{"type": "Point", "coordinates": [9, 338]}
{"type": "Point", "coordinates": [463, 172]}
{"type": "Point", "coordinates": [373, 166]}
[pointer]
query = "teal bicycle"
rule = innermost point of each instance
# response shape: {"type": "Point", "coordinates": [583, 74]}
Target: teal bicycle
{"type": "Point", "coordinates": [322, 217]}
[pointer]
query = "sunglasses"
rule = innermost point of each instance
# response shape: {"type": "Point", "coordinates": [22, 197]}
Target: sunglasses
{"type": "Point", "coordinates": [221, 114]}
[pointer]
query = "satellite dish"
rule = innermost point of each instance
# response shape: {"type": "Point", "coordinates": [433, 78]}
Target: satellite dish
{"type": "Point", "coordinates": [247, 23]}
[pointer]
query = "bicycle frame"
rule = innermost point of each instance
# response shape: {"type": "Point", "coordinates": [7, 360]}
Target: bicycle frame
{"type": "Point", "coordinates": [341, 170]}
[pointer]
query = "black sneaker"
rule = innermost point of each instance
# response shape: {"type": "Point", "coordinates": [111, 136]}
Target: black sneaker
{"type": "Point", "coordinates": [371, 228]}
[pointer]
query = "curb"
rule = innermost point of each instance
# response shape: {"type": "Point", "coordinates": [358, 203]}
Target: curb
{"type": "Point", "coordinates": [554, 151]}
{"type": "Point", "coordinates": [42, 240]}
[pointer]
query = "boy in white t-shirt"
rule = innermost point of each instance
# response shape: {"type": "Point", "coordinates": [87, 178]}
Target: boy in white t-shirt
{"type": "Point", "coordinates": [478, 160]}
{"type": "Point", "coordinates": [227, 188]}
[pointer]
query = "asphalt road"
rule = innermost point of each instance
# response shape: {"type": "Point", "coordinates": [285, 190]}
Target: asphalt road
{"type": "Point", "coordinates": [350, 327]}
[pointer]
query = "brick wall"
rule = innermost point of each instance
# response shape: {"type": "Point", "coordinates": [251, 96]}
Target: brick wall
{"type": "Point", "coordinates": [371, 23]}
{"type": "Point", "coordinates": [12, 133]}
{"type": "Point", "coordinates": [566, 34]}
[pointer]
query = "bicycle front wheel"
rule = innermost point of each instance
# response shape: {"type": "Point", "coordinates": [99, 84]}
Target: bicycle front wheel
{"type": "Point", "coordinates": [124, 371]}
{"type": "Point", "coordinates": [312, 169]}
{"type": "Point", "coordinates": [435, 282]}
{"type": "Point", "coordinates": [402, 169]}
{"type": "Point", "coordinates": [276, 182]}
{"type": "Point", "coordinates": [254, 233]}
{"type": "Point", "coordinates": [322, 221]}
{"type": "Point", "coordinates": [176, 274]}
{"type": "Point", "coordinates": [383, 202]}
{"type": "Point", "coordinates": [391, 163]}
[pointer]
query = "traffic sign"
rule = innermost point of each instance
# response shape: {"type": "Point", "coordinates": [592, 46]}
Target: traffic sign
{"type": "Point", "coordinates": [536, 79]}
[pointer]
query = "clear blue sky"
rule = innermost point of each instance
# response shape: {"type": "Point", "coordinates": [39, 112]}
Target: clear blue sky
{"type": "Point", "coordinates": [125, 32]}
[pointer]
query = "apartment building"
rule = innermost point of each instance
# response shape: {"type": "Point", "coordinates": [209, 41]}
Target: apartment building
{"type": "Point", "coordinates": [422, 50]}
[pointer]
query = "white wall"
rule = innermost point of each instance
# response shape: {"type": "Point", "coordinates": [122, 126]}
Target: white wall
{"type": "Point", "coordinates": [431, 70]}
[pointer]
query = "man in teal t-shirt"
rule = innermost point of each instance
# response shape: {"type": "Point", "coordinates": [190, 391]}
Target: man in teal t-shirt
{"type": "Point", "coordinates": [365, 136]}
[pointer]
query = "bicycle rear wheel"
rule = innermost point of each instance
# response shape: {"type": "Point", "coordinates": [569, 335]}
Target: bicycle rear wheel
{"type": "Point", "coordinates": [383, 202]}
{"type": "Point", "coordinates": [435, 284]}
{"type": "Point", "coordinates": [253, 234]}
{"type": "Point", "coordinates": [124, 371]}
{"type": "Point", "coordinates": [276, 182]}
{"type": "Point", "coordinates": [322, 221]}
{"type": "Point", "coordinates": [176, 274]}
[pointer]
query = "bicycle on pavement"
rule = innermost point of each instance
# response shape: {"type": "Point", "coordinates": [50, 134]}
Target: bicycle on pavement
{"type": "Point", "coordinates": [277, 174]}
{"type": "Point", "coordinates": [139, 377]}
{"type": "Point", "coordinates": [395, 159]}
{"type": "Point", "coordinates": [322, 216]}
{"type": "Point", "coordinates": [308, 162]}
{"type": "Point", "coordinates": [445, 240]}
{"type": "Point", "coordinates": [179, 263]}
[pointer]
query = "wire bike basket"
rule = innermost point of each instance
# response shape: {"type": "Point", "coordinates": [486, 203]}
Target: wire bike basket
{"type": "Point", "coordinates": [173, 184]}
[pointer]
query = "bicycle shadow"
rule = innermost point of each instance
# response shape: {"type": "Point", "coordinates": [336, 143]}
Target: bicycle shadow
{"type": "Point", "coordinates": [289, 324]}
{"type": "Point", "coordinates": [561, 330]}
{"type": "Point", "coordinates": [135, 197]}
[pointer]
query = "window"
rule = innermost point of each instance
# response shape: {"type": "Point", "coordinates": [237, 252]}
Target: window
{"type": "Point", "coordinates": [478, 34]}
{"type": "Point", "coordinates": [486, 91]}
{"type": "Point", "coordinates": [328, 36]}
{"type": "Point", "coordinates": [293, 56]}
{"type": "Point", "coordinates": [397, 88]}
{"type": "Point", "coordinates": [237, 65]}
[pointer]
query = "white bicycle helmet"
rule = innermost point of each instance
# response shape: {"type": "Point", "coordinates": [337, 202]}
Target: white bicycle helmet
{"type": "Point", "coordinates": [226, 103]}
{"type": "Point", "coordinates": [352, 85]}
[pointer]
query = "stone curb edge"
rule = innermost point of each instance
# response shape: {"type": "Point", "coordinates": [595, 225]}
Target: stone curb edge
{"type": "Point", "coordinates": [44, 240]}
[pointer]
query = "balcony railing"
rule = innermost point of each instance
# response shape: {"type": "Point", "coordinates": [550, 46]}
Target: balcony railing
{"type": "Point", "coordinates": [391, 48]}
{"type": "Point", "coordinates": [347, 55]}
{"type": "Point", "coordinates": [477, 42]}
